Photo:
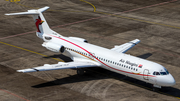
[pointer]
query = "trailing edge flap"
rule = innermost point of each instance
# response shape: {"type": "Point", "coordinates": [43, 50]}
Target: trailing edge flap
{"type": "Point", "coordinates": [125, 47]}
{"type": "Point", "coordinates": [60, 65]}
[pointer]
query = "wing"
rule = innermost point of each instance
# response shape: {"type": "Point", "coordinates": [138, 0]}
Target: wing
{"type": "Point", "coordinates": [60, 65]}
{"type": "Point", "coordinates": [125, 47]}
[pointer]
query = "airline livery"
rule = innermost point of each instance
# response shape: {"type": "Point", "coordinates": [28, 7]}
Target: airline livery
{"type": "Point", "coordinates": [85, 55]}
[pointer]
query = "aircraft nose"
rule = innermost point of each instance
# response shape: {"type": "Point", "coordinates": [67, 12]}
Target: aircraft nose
{"type": "Point", "coordinates": [167, 80]}
{"type": "Point", "coordinates": [171, 81]}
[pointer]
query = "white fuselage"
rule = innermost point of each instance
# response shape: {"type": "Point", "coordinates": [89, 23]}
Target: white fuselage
{"type": "Point", "coordinates": [128, 65]}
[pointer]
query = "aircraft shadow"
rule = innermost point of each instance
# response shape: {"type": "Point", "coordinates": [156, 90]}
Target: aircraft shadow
{"type": "Point", "coordinates": [71, 79]}
{"type": "Point", "coordinates": [145, 56]}
{"type": "Point", "coordinates": [97, 73]}
{"type": "Point", "coordinates": [60, 56]}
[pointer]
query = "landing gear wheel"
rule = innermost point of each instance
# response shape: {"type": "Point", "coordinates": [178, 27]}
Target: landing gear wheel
{"type": "Point", "coordinates": [155, 89]}
{"type": "Point", "coordinates": [80, 71]}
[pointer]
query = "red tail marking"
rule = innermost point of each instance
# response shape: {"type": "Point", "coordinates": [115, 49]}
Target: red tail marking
{"type": "Point", "coordinates": [38, 22]}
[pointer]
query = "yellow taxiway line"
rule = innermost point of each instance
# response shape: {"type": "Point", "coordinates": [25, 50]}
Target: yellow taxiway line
{"type": "Point", "coordinates": [90, 4]}
{"type": "Point", "coordinates": [29, 50]}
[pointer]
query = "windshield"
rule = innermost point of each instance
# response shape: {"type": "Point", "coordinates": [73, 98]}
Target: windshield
{"type": "Point", "coordinates": [166, 70]}
{"type": "Point", "coordinates": [163, 73]}
{"type": "Point", "coordinates": [160, 73]}
{"type": "Point", "coordinates": [156, 73]}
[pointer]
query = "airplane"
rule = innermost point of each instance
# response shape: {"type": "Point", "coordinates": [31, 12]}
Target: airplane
{"type": "Point", "coordinates": [86, 55]}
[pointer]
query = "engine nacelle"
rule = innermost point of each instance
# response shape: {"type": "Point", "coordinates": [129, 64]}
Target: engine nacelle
{"type": "Point", "coordinates": [79, 39]}
{"type": "Point", "coordinates": [54, 47]}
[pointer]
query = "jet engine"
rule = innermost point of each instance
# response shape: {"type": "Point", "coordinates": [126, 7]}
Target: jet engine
{"type": "Point", "coordinates": [79, 39]}
{"type": "Point", "coordinates": [54, 47]}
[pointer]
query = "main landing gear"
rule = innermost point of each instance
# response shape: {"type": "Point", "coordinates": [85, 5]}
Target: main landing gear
{"type": "Point", "coordinates": [80, 71]}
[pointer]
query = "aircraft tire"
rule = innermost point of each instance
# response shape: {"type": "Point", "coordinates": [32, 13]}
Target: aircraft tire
{"type": "Point", "coordinates": [80, 71]}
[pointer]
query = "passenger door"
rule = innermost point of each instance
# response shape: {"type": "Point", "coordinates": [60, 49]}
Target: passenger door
{"type": "Point", "coordinates": [145, 74]}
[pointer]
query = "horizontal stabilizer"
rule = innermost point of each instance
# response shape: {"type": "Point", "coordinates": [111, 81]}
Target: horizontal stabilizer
{"type": "Point", "coordinates": [43, 9]}
{"type": "Point", "coordinates": [30, 12]}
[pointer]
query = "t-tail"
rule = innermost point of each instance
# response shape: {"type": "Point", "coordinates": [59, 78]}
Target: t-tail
{"type": "Point", "coordinates": [40, 22]}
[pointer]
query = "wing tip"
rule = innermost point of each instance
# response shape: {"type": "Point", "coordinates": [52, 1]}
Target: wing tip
{"type": "Point", "coordinates": [136, 41]}
{"type": "Point", "coordinates": [20, 71]}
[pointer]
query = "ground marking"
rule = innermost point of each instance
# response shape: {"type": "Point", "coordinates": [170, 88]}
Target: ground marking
{"type": "Point", "coordinates": [90, 4]}
{"type": "Point", "coordinates": [29, 51]}
{"type": "Point", "coordinates": [115, 14]}
{"type": "Point", "coordinates": [14, 94]}
{"type": "Point", "coordinates": [13, 0]}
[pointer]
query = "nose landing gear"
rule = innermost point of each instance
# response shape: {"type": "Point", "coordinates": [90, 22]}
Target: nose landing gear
{"type": "Point", "coordinates": [156, 88]}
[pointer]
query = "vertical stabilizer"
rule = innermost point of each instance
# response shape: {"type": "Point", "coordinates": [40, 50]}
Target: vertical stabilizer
{"type": "Point", "coordinates": [40, 21]}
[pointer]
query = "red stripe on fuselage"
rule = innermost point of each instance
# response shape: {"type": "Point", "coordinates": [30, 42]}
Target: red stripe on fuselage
{"type": "Point", "coordinates": [98, 59]}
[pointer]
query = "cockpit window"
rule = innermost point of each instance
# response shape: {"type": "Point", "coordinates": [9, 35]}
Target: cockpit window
{"type": "Point", "coordinates": [166, 70]}
{"type": "Point", "coordinates": [156, 73]}
{"type": "Point", "coordinates": [163, 73]}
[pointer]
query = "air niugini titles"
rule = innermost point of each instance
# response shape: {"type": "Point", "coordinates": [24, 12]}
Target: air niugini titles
{"type": "Point", "coordinates": [130, 63]}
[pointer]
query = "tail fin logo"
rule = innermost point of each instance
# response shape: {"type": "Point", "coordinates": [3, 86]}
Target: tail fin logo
{"type": "Point", "coordinates": [38, 22]}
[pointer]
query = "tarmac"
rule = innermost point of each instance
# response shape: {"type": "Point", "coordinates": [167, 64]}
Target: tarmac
{"type": "Point", "coordinates": [102, 22]}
